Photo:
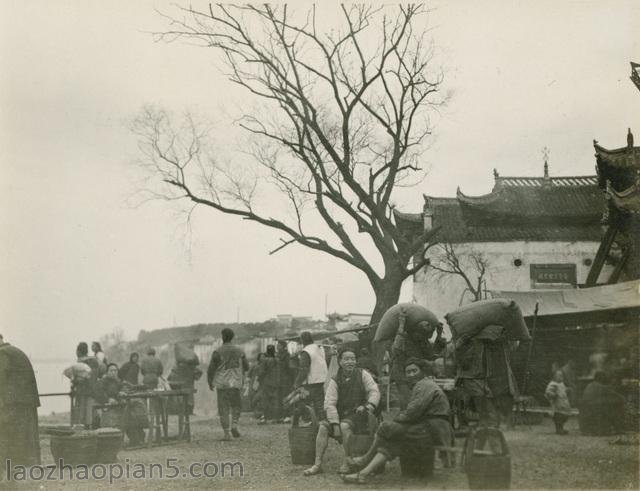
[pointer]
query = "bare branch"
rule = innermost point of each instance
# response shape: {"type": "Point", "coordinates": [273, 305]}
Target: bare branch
{"type": "Point", "coordinates": [343, 121]}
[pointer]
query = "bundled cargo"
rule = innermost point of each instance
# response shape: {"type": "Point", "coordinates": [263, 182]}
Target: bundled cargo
{"type": "Point", "coordinates": [77, 371]}
{"type": "Point", "coordinates": [468, 321]}
{"type": "Point", "coordinates": [388, 325]}
{"type": "Point", "coordinates": [186, 355]}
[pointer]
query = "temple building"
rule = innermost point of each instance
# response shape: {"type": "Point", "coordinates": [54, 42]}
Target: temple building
{"type": "Point", "coordinates": [528, 233]}
{"type": "Point", "coordinates": [619, 177]}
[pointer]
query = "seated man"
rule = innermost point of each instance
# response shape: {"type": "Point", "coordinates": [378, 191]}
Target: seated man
{"type": "Point", "coordinates": [427, 414]}
{"type": "Point", "coordinates": [351, 395]}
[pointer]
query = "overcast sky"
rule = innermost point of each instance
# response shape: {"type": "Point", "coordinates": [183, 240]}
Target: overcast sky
{"type": "Point", "coordinates": [77, 261]}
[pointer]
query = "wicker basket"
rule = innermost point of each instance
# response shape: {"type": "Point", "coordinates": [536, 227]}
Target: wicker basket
{"type": "Point", "coordinates": [109, 444]}
{"type": "Point", "coordinates": [79, 448]}
{"type": "Point", "coordinates": [486, 460]}
{"type": "Point", "coordinates": [302, 440]}
{"type": "Point", "coordinates": [359, 443]}
{"type": "Point", "coordinates": [417, 457]}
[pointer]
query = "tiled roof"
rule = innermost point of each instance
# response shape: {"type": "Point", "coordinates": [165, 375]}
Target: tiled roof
{"type": "Point", "coordinates": [542, 181]}
{"type": "Point", "coordinates": [549, 202]}
{"type": "Point", "coordinates": [456, 227]}
{"type": "Point", "coordinates": [518, 209]}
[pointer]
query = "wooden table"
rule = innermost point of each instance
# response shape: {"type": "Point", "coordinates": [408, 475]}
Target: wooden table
{"type": "Point", "coordinates": [156, 402]}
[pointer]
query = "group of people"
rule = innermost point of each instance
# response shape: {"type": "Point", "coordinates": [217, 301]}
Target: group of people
{"type": "Point", "coordinates": [601, 408]}
{"type": "Point", "coordinates": [272, 378]}
{"type": "Point", "coordinates": [94, 380]}
{"type": "Point", "coordinates": [98, 388]}
{"type": "Point", "coordinates": [269, 381]}
{"type": "Point", "coordinates": [352, 405]}
{"type": "Point", "coordinates": [345, 404]}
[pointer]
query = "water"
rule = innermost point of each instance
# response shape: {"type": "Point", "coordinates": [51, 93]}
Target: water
{"type": "Point", "coordinates": [50, 379]}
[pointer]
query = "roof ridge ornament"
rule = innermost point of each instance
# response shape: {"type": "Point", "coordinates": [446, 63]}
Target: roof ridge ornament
{"type": "Point", "coordinates": [629, 138]}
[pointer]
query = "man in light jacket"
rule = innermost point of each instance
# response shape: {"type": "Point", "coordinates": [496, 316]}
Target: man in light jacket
{"type": "Point", "coordinates": [351, 396]}
{"type": "Point", "coordinates": [313, 372]}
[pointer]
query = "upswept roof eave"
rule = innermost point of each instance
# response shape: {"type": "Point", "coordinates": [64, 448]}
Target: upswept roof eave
{"type": "Point", "coordinates": [491, 197]}
{"type": "Point", "coordinates": [613, 156]}
{"type": "Point", "coordinates": [408, 217]}
{"type": "Point", "coordinates": [443, 199]}
{"type": "Point", "coordinates": [628, 199]}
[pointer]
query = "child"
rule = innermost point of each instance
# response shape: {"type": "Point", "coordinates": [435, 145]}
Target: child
{"type": "Point", "coordinates": [556, 394]}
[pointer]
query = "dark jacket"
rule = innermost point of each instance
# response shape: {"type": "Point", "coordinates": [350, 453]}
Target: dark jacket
{"type": "Point", "coordinates": [268, 372]}
{"type": "Point", "coordinates": [151, 368]}
{"type": "Point", "coordinates": [107, 388]}
{"type": "Point", "coordinates": [285, 376]}
{"type": "Point", "coordinates": [405, 347]}
{"type": "Point", "coordinates": [18, 385]}
{"type": "Point", "coordinates": [129, 372]}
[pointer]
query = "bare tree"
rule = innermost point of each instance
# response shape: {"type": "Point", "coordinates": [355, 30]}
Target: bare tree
{"type": "Point", "coordinates": [343, 120]}
{"type": "Point", "coordinates": [470, 265]}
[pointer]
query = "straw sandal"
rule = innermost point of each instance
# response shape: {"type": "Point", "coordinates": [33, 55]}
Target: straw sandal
{"type": "Point", "coordinates": [313, 470]}
{"type": "Point", "coordinates": [355, 479]}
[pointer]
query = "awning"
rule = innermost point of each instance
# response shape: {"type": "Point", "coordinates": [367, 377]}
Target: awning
{"type": "Point", "coordinates": [609, 303]}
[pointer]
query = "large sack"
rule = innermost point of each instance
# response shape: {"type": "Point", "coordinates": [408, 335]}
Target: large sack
{"type": "Point", "coordinates": [388, 325]}
{"type": "Point", "coordinates": [185, 355]}
{"type": "Point", "coordinates": [469, 320]}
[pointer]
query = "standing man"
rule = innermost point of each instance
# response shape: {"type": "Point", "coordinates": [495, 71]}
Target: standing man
{"type": "Point", "coordinates": [83, 388]}
{"type": "Point", "coordinates": [184, 376]}
{"type": "Point", "coordinates": [130, 371]}
{"type": "Point", "coordinates": [285, 380]}
{"type": "Point", "coordinates": [151, 368]}
{"type": "Point", "coordinates": [312, 373]}
{"type": "Point", "coordinates": [412, 341]}
{"type": "Point", "coordinates": [226, 374]}
{"type": "Point", "coordinates": [102, 360]}
{"type": "Point", "coordinates": [19, 402]}
{"type": "Point", "coordinates": [485, 376]}
{"type": "Point", "coordinates": [268, 378]}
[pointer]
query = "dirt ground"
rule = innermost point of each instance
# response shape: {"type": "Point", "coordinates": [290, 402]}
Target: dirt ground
{"type": "Point", "coordinates": [540, 460]}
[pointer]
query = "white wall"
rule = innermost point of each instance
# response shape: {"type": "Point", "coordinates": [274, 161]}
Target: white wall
{"type": "Point", "coordinates": [442, 294]}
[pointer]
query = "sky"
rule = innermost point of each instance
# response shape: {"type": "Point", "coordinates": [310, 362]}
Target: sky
{"type": "Point", "coordinates": [77, 260]}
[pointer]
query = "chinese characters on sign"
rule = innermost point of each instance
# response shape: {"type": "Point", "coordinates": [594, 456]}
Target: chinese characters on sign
{"type": "Point", "coordinates": [554, 273]}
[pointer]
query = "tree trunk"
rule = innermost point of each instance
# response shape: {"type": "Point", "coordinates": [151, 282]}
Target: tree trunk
{"type": "Point", "coordinates": [387, 294]}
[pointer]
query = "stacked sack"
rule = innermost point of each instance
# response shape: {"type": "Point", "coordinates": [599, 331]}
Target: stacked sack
{"type": "Point", "coordinates": [415, 314]}
{"type": "Point", "coordinates": [488, 319]}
